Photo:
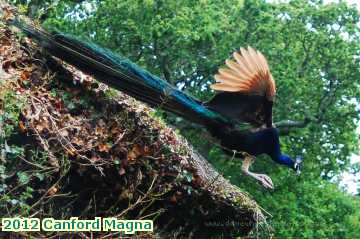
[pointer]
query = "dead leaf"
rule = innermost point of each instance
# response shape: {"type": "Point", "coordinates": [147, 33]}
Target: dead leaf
{"type": "Point", "coordinates": [22, 127]}
{"type": "Point", "coordinates": [134, 153]}
{"type": "Point", "coordinates": [78, 141]}
{"type": "Point", "coordinates": [39, 128]}
{"type": "Point", "coordinates": [64, 133]}
{"type": "Point", "coordinates": [147, 151]}
{"type": "Point", "coordinates": [72, 152]}
{"type": "Point", "coordinates": [52, 191]}
{"type": "Point", "coordinates": [104, 148]}
{"type": "Point", "coordinates": [99, 130]}
{"type": "Point", "coordinates": [7, 14]}
{"type": "Point", "coordinates": [25, 75]}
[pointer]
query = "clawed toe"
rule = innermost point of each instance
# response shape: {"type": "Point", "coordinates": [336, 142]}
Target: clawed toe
{"type": "Point", "coordinates": [262, 178]}
{"type": "Point", "coordinates": [265, 181]}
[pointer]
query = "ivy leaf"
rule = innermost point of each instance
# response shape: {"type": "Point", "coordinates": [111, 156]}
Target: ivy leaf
{"type": "Point", "coordinates": [23, 177]}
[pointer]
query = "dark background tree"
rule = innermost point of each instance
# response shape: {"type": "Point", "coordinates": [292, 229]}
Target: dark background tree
{"type": "Point", "coordinates": [313, 51]}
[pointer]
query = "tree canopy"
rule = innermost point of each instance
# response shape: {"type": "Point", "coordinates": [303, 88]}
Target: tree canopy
{"type": "Point", "coordinates": [313, 52]}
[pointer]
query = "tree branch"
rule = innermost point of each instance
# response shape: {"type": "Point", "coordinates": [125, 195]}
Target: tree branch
{"type": "Point", "coordinates": [286, 126]}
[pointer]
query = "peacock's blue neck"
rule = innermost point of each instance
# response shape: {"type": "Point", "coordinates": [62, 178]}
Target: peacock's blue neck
{"type": "Point", "coordinates": [270, 140]}
{"type": "Point", "coordinates": [283, 159]}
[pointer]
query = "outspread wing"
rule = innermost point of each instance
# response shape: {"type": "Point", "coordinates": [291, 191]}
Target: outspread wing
{"type": "Point", "coordinates": [249, 74]}
{"type": "Point", "coordinates": [247, 89]}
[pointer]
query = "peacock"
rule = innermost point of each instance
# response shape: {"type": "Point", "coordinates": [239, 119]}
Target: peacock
{"type": "Point", "coordinates": [239, 116]}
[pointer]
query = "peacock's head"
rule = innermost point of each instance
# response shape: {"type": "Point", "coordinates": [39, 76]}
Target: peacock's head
{"type": "Point", "coordinates": [298, 164]}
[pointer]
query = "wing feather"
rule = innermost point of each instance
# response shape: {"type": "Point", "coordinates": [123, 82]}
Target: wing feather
{"type": "Point", "coordinates": [226, 80]}
{"type": "Point", "coordinates": [248, 74]}
{"type": "Point", "coordinates": [236, 67]}
{"type": "Point", "coordinates": [232, 77]}
{"type": "Point", "coordinates": [223, 87]}
{"type": "Point", "coordinates": [246, 57]}
{"type": "Point", "coordinates": [242, 65]}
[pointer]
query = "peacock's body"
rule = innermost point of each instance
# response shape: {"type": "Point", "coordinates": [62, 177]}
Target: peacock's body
{"type": "Point", "coordinates": [246, 97]}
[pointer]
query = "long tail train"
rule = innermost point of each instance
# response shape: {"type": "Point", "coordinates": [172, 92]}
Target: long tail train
{"type": "Point", "coordinates": [121, 74]}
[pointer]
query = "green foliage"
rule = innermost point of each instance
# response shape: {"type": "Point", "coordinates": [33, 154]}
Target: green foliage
{"type": "Point", "coordinates": [9, 121]}
{"type": "Point", "coordinates": [11, 105]}
{"type": "Point", "coordinates": [313, 51]}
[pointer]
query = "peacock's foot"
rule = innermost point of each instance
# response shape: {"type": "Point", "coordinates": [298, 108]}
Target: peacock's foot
{"type": "Point", "coordinates": [262, 178]}
{"type": "Point", "coordinates": [265, 180]}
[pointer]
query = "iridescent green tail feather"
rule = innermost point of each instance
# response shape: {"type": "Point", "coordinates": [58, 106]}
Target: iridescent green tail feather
{"type": "Point", "coordinates": [122, 74]}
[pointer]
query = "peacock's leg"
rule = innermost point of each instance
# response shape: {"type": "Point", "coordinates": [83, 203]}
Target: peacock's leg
{"type": "Point", "coordinates": [264, 179]}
